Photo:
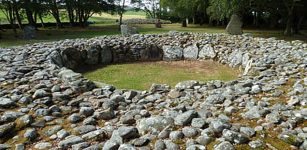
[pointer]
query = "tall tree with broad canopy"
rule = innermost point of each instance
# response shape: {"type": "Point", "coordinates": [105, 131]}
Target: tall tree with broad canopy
{"type": "Point", "coordinates": [183, 8]}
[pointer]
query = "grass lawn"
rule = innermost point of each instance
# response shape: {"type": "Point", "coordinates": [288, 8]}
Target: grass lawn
{"type": "Point", "coordinates": [53, 34]}
{"type": "Point", "coordinates": [142, 75]}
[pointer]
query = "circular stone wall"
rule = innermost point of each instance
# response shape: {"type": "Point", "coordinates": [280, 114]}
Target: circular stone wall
{"type": "Point", "coordinates": [45, 102]}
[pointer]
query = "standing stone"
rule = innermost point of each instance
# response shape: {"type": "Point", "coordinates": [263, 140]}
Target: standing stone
{"type": "Point", "coordinates": [29, 32]}
{"type": "Point", "coordinates": [158, 24]}
{"type": "Point", "coordinates": [93, 55]}
{"type": "Point", "coordinates": [234, 26]}
{"type": "Point", "coordinates": [172, 53]}
{"type": "Point", "coordinates": [126, 30]}
{"type": "Point", "coordinates": [207, 52]}
{"type": "Point", "coordinates": [106, 55]}
{"type": "Point", "coordinates": [191, 52]}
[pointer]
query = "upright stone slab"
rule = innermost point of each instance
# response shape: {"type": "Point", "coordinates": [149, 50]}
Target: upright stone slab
{"type": "Point", "coordinates": [190, 52]}
{"type": "Point", "coordinates": [234, 26]}
{"type": "Point", "coordinates": [29, 32]}
{"type": "Point", "coordinates": [126, 30]}
{"type": "Point", "coordinates": [172, 53]}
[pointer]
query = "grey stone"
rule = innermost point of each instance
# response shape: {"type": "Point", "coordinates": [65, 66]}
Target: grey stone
{"type": "Point", "coordinates": [19, 146]}
{"type": "Point", "coordinates": [256, 144]}
{"type": "Point", "coordinates": [30, 134]}
{"type": "Point", "coordinates": [185, 118]}
{"type": "Point", "coordinates": [198, 123]}
{"type": "Point", "coordinates": [84, 129]}
{"type": "Point", "coordinates": [248, 131]}
{"type": "Point", "coordinates": [105, 114]}
{"type": "Point", "coordinates": [6, 128]}
{"type": "Point", "coordinates": [128, 132]}
{"type": "Point", "coordinates": [159, 145]}
{"type": "Point", "coordinates": [156, 123]}
{"type": "Point", "coordinates": [234, 26]}
{"type": "Point", "coordinates": [6, 103]}
{"type": "Point", "coordinates": [52, 130]}
{"type": "Point", "coordinates": [142, 141]}
{"type": "Point", "coordinates": [127, 30]}
{"type": "Point", "coordinates": [215, 99]}
{"type": "Point", "coordinates": [86, 111]}
{"type": "Point", "coordinates": [126, 147]}
{"type": "Point", "coordinates": [172, 53]}
{"type": "Point", "coordinates": [62, 134]}
{"type": "Point", "coordinates": [111, 145]}
{"type": "Point", "coordinates": [176, 135]}
{"type": "Point", "coordinates": [189, 132]}
{"type": "Point", "coordinates": [235, 137]}
{"type": "Point", "coordinates": [204, 140]}
{"type": "Point", "coordinates": [273, 117]}
{"type": "Point", "coordinates": [74, 118]}
{"type": "Point", "coordinates": [93, 53]}
{"type": "Point", "coordinates": [224, 146]}
{"type": "Point", "coordinates": [186, 85]}
{"type": "Point", "coordinates": [43, 145]}
{"type": "Point", "coordinates": [290, 139]}
{"type": "Point", "coordinates": [159, 87]}
{"type": "Point", "coordinates": [5, 146]}
{"type": "Point", "coordinates": [80, 146]}
{"type": "Point", "coordinates": [69, 141]}
{"type": "Point", "coordinates": [171, 145]}
{"type": "Point", "coordinates": [29, 32]}
{"type": "Point", "coordinates": [97, 134]}
{"type": "Point", "coordinates": [196, 147]}
{"type": "Point", "coordinates": [39, 94]}
{"type": "Point", "coordinates": [42, 112]}
{"type": "Point", "coordinates": [218, 125]}
{"type": "Point", "coordinates": [190, 52]}
{"type": "Point", "coordinates": [207, 52]}
{"type": "Point", "coordinates": [106, 55]}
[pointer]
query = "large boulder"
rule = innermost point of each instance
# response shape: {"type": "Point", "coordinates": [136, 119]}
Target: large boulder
{"type": "Point", "coordinates": [235, 58]}
{"type": "Point", "coordinates": [29, 32]}
{"type": "Point", "coordinates": [190, 52]}
{"type": "Point", "coordinates": [72, 57]}
{"type": "Point", "coordinates": [92, 56]}
{"type": "Point", "coordinates": [152, 52]}
{"type": "Point", "coordinates": [127, 30]}
{"type": "Point", "coordinates": [68, 75]}
{"type": "Point", "coordinates": [106, 55]}
{"type": "Point", "coordinates": [234, 26]}
{"type": "Point", "coordinates": [157, 123]}
{"type": "Point", "coordinates": [207, 52]}
{"type": "Point", "coordinates": [56, 58]}
{"type": "Point", "coordinates": [172, 53]}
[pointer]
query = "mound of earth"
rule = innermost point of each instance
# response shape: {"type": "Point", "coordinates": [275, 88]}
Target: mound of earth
{"type": "Point", "coordinates": [46, 105]}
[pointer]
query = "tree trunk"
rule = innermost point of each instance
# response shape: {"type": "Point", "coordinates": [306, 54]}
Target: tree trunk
{"type": "Point", "coordinates": [29, 14]}
{"type": "Point", "coordinates": [299, 24]}
{"type": "Point", "coordinates": [289, 25]}
{"type": "Point", "coordinates": [41, 19]}
{"type": "Point", "coordinates": [17, 15]}
{"type": "Point", "coordinates": [288, 30]}
{"type": "Point", "coordinates": [184, 23]}
{"type": "Point", "coordinates": [121, 14]}
{"type": "Point", "coordinates": [56, 14]}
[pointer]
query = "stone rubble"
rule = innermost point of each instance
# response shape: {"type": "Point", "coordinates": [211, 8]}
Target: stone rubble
{"type": "Point", "coordinates": [46, 104]}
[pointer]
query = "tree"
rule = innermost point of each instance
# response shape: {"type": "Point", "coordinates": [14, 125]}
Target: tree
{"type": "Point", "coordinates": [182, 8]}
{"type": "Point", "coordinates": [293, 7]}
{"type": "Point", "coordinates": [81, 10]}
{"type": "Point", "coordinates": [7, 7]}
{"type": "Point", "coordinates": [152, 8]}
{"type": "Point", "coordinates": [53, 7]}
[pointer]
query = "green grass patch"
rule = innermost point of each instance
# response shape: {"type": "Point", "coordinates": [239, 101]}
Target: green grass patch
{"type": "Point", "coordinates": [142, 75]}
